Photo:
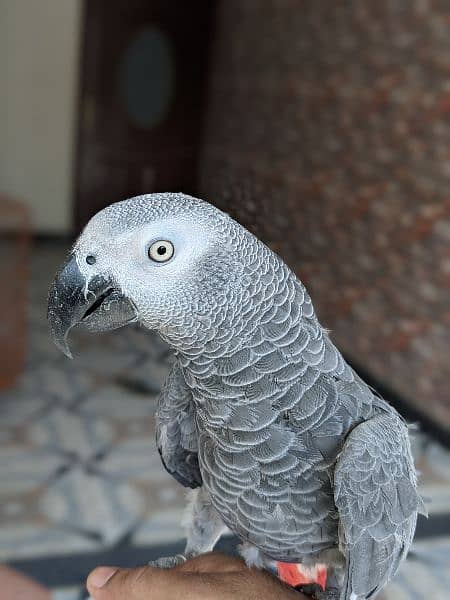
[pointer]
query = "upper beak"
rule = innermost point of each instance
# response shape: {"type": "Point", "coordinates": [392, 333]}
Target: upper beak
{"type": "Point", "coordinates": [69, 300]}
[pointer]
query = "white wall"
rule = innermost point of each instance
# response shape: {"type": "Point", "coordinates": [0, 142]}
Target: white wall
{"type": "Point", "coordinates": [39, 53]}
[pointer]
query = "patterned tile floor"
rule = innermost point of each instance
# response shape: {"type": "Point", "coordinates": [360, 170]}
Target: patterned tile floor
{"type": "Point", "coordinates": [79, 471]}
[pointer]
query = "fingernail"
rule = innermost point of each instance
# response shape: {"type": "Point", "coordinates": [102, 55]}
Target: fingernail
{"type": "Point", "coordinates": [100, 576]}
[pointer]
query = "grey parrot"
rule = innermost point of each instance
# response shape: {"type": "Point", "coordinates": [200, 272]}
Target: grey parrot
{"type": "Point", "coordinates": [280, 439]}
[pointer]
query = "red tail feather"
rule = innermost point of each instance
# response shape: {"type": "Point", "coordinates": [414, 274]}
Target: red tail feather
{"type": "Point", "coordinates": [296, 574]}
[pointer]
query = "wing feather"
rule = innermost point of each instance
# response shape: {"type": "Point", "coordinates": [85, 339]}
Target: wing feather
{"type": "Point", "coordinates": [176, 433]}
{"type": "Point", "coordinates": [376, 495]}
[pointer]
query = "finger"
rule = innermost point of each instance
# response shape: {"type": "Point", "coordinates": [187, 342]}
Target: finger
{"type": "Point", "coordinates": [111, 583]}
{"type": "Point", "coordinates": [144, 583]}
{"type": "Point", "coordinates": [148, 583]}
{"type": "Point", "coordinates": [99, 576]}
{"type": "Point", "coordinates": [15, 585]}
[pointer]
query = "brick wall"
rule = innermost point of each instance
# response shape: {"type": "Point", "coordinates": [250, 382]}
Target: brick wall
{"type": "Point", "coordinates": [328, 135]}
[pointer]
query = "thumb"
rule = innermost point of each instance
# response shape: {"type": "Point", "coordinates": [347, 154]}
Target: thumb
{"type": "Point", "coordinates": [112, 583]}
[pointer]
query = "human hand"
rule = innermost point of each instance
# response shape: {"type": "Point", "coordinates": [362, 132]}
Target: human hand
{"type": "Point", "coordinates": [209, 576]}
{"type": "Point", "coordinates": [15, 585]}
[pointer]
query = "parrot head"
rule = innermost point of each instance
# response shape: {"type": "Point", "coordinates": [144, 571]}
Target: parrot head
{"type": "Point", "coordinates": [168, 261]}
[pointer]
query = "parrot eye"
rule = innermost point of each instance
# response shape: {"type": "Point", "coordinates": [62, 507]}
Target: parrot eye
{"type": "Point", "coordinates": [161, 251]}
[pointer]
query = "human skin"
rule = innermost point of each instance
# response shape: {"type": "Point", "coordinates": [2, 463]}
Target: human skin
{"type": "Point", "coordinates": [211, 576]}
{"type": "Point", "coordinates": [15, 586]}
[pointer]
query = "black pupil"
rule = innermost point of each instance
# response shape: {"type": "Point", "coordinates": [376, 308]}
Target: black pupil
{"type": "Point", "coordinates": [90, 259]}
{"type": "Point", "coordinates": [161, 250]}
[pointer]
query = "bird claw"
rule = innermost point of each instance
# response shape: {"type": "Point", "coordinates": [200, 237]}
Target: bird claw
{"type": "Point", "coordinates": [168, 562]}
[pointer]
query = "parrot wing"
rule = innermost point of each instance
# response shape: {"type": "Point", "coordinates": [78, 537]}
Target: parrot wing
{"type": "Point", "coordinates": [176, 435]}
{"type": "Point", "coordinates": [377, 501]}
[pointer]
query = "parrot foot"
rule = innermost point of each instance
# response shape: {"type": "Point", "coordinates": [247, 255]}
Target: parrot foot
{"type": "Point", "coordinates": [315, 591]}
{"type": "Point", "coordinates": [168, 562]}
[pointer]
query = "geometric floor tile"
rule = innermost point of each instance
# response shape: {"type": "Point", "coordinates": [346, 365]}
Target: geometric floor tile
{"type": "Point", "coordinates": [60, 382]}
{"type": "Point", "coordinates": [136, 459]}
{"type": "Point", "coordinates": [72, 593]}
{"type": "Point", "coordinates": [433, 463]}
{"type": "Point", "coordinates": [113, 402]}
{"type": "Point", "coordinates": [23, 468]}
{"type": "Point", "coordinates": [161, 527]}
{"type": "Point", "coordinates": [437, 497]}
{"type": "Point", "coordinates": [19, 408]}
{"type": "Point", "coordinates": [425, 574]}
{"type": "Point", "coordinates": [97, 507]}
{"type": "Point", "coordinates": [25, 540]}
{"type": "Point", "coordinates": [71, 434]}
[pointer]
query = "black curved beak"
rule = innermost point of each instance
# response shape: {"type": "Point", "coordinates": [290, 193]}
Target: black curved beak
{"type": "Point", "coordinates": [69, 301]}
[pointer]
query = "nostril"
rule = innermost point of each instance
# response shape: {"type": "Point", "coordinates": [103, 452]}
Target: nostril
{"type": "Point", "coordinates": [90, 259]}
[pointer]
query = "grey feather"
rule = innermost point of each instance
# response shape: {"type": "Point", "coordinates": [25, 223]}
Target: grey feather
{"type": "Point", "coordinates": [376, 496]}
{"type": "Point", "coordinates": [296, 453]}
{"type": "Point", "coordinates": [176, 434]}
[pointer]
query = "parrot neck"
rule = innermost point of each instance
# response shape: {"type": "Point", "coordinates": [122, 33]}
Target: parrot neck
{"type": "Point", "coordinates": [262, 299]}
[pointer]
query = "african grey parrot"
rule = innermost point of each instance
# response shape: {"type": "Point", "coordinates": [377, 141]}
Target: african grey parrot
{"type": "Point", "coordinates": [286, 445]}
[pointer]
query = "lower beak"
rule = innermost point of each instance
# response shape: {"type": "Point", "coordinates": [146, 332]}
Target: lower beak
{"type": "Point", "coordinates": [70, 300]}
